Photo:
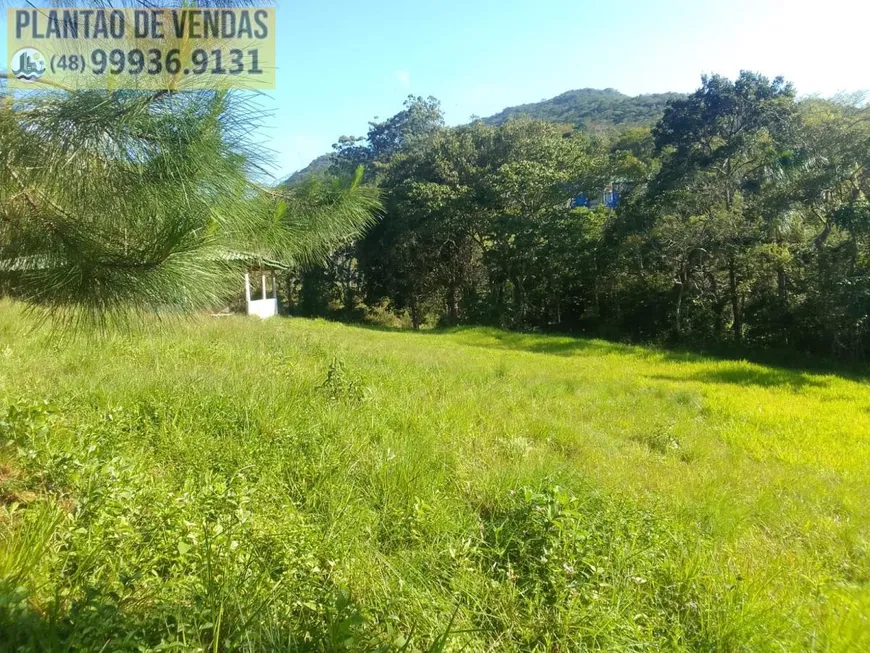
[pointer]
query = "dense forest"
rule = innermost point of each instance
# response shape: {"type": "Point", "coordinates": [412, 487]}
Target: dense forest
{"type": "Point", "coordinates": [742, 217]}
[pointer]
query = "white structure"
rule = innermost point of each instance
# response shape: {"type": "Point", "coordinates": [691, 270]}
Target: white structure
{"type": "Point", "coordinates": [266, 306]}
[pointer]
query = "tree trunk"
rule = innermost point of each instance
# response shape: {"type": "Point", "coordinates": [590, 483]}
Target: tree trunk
{"type": "Point", "coordinates": [781, 286]}
{"type": "Point", "coordinates": [679, 309]}
{"type": "Point", "coordinates": [415, 315]}
{"type": "Point", "coordinates": [718, 304]}
{"type": "Point", "coordinates": [737, 325]}
{"type": "Point", "coordinates": [452, 308]}
{"type": "Point", "coordinates": [519, 302]}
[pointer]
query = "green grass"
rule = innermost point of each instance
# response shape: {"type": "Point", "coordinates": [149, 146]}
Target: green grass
{"type": "Point", "coordinates": [302, 485]}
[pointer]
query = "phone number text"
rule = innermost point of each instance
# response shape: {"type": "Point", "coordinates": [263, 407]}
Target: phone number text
{"type": "Point", "coordinates": [157, 62]}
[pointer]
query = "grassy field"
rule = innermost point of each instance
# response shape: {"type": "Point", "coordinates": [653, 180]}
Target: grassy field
{"type": "Point", "coordinates": [227, 484]}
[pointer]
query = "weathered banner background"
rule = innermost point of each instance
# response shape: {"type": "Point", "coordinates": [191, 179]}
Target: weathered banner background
{"type": "Point", "coordinates": [149, 49]}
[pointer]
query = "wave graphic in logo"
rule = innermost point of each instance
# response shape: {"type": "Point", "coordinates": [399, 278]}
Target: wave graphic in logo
{"type": "Point", "coordinates": [28, 64]}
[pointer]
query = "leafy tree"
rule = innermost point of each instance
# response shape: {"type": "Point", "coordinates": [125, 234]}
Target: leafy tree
{"type": "Point", "coordinates": [409, 128]}
{"type": "Point", "coordinates": [470, 217]}
{"type": "Point", "coordinates": [336, 283]}
{"type": "Point", "coordinates": [830, 192]}
{"type": "Point", "coordinates": [722, 145]}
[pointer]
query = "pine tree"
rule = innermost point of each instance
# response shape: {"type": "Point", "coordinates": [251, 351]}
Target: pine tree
{"type": "Point", "coordinates": [114, 203]}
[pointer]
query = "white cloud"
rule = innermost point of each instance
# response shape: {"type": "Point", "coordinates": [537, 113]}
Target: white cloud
{"type": "Point", "coordinates": [404, 78]}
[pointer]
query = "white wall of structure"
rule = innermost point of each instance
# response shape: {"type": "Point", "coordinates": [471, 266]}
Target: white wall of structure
{"type": "Point", "coordinates": [267, 306]}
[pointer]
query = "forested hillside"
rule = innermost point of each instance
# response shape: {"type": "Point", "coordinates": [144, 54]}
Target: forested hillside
{"type": "Point", "coordinates": [318, 166]}
{"type": "Point", "coordinates": [742, 218]}
{"type": "Point", "coordinates": [593, 109]}
{"type": "Point", "coordinates": [587, 109]}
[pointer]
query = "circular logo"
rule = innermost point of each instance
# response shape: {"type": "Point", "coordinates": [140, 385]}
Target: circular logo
{"type": "Point", "coordinates": [28, 64]}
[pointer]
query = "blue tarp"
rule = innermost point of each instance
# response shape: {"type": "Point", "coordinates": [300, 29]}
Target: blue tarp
{"type": "Point", "coordinates": [580, 200]}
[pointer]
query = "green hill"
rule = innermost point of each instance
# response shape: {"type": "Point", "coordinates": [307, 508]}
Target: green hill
{"type": "Point", "coordinates": [589, 108]}
{"type": "Point", "coordinates": [320, 164]}
{"type": "Point", "coordinates": [586, 108]}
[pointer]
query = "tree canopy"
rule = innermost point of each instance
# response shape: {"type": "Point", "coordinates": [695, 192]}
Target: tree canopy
{"type": "Point", "coordinates": [742, 217]}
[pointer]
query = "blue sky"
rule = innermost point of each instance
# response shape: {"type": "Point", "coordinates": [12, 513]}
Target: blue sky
{"type": "Point", "coordinates": [343, 62]}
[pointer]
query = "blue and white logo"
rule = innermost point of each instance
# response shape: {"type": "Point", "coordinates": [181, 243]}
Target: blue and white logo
{"type": "Point", "coordinates": [28, 64]}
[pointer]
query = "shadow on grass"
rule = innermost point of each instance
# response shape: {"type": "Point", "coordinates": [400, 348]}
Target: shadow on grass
{"type": "Point", "coordinates": [779, 368]}
{"type": "Point", "coordinates": [759, 377]}
{"type": "Point", "coordinates": [95, 625]}
{"type": "Point", "coordinates": [535, 343]}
